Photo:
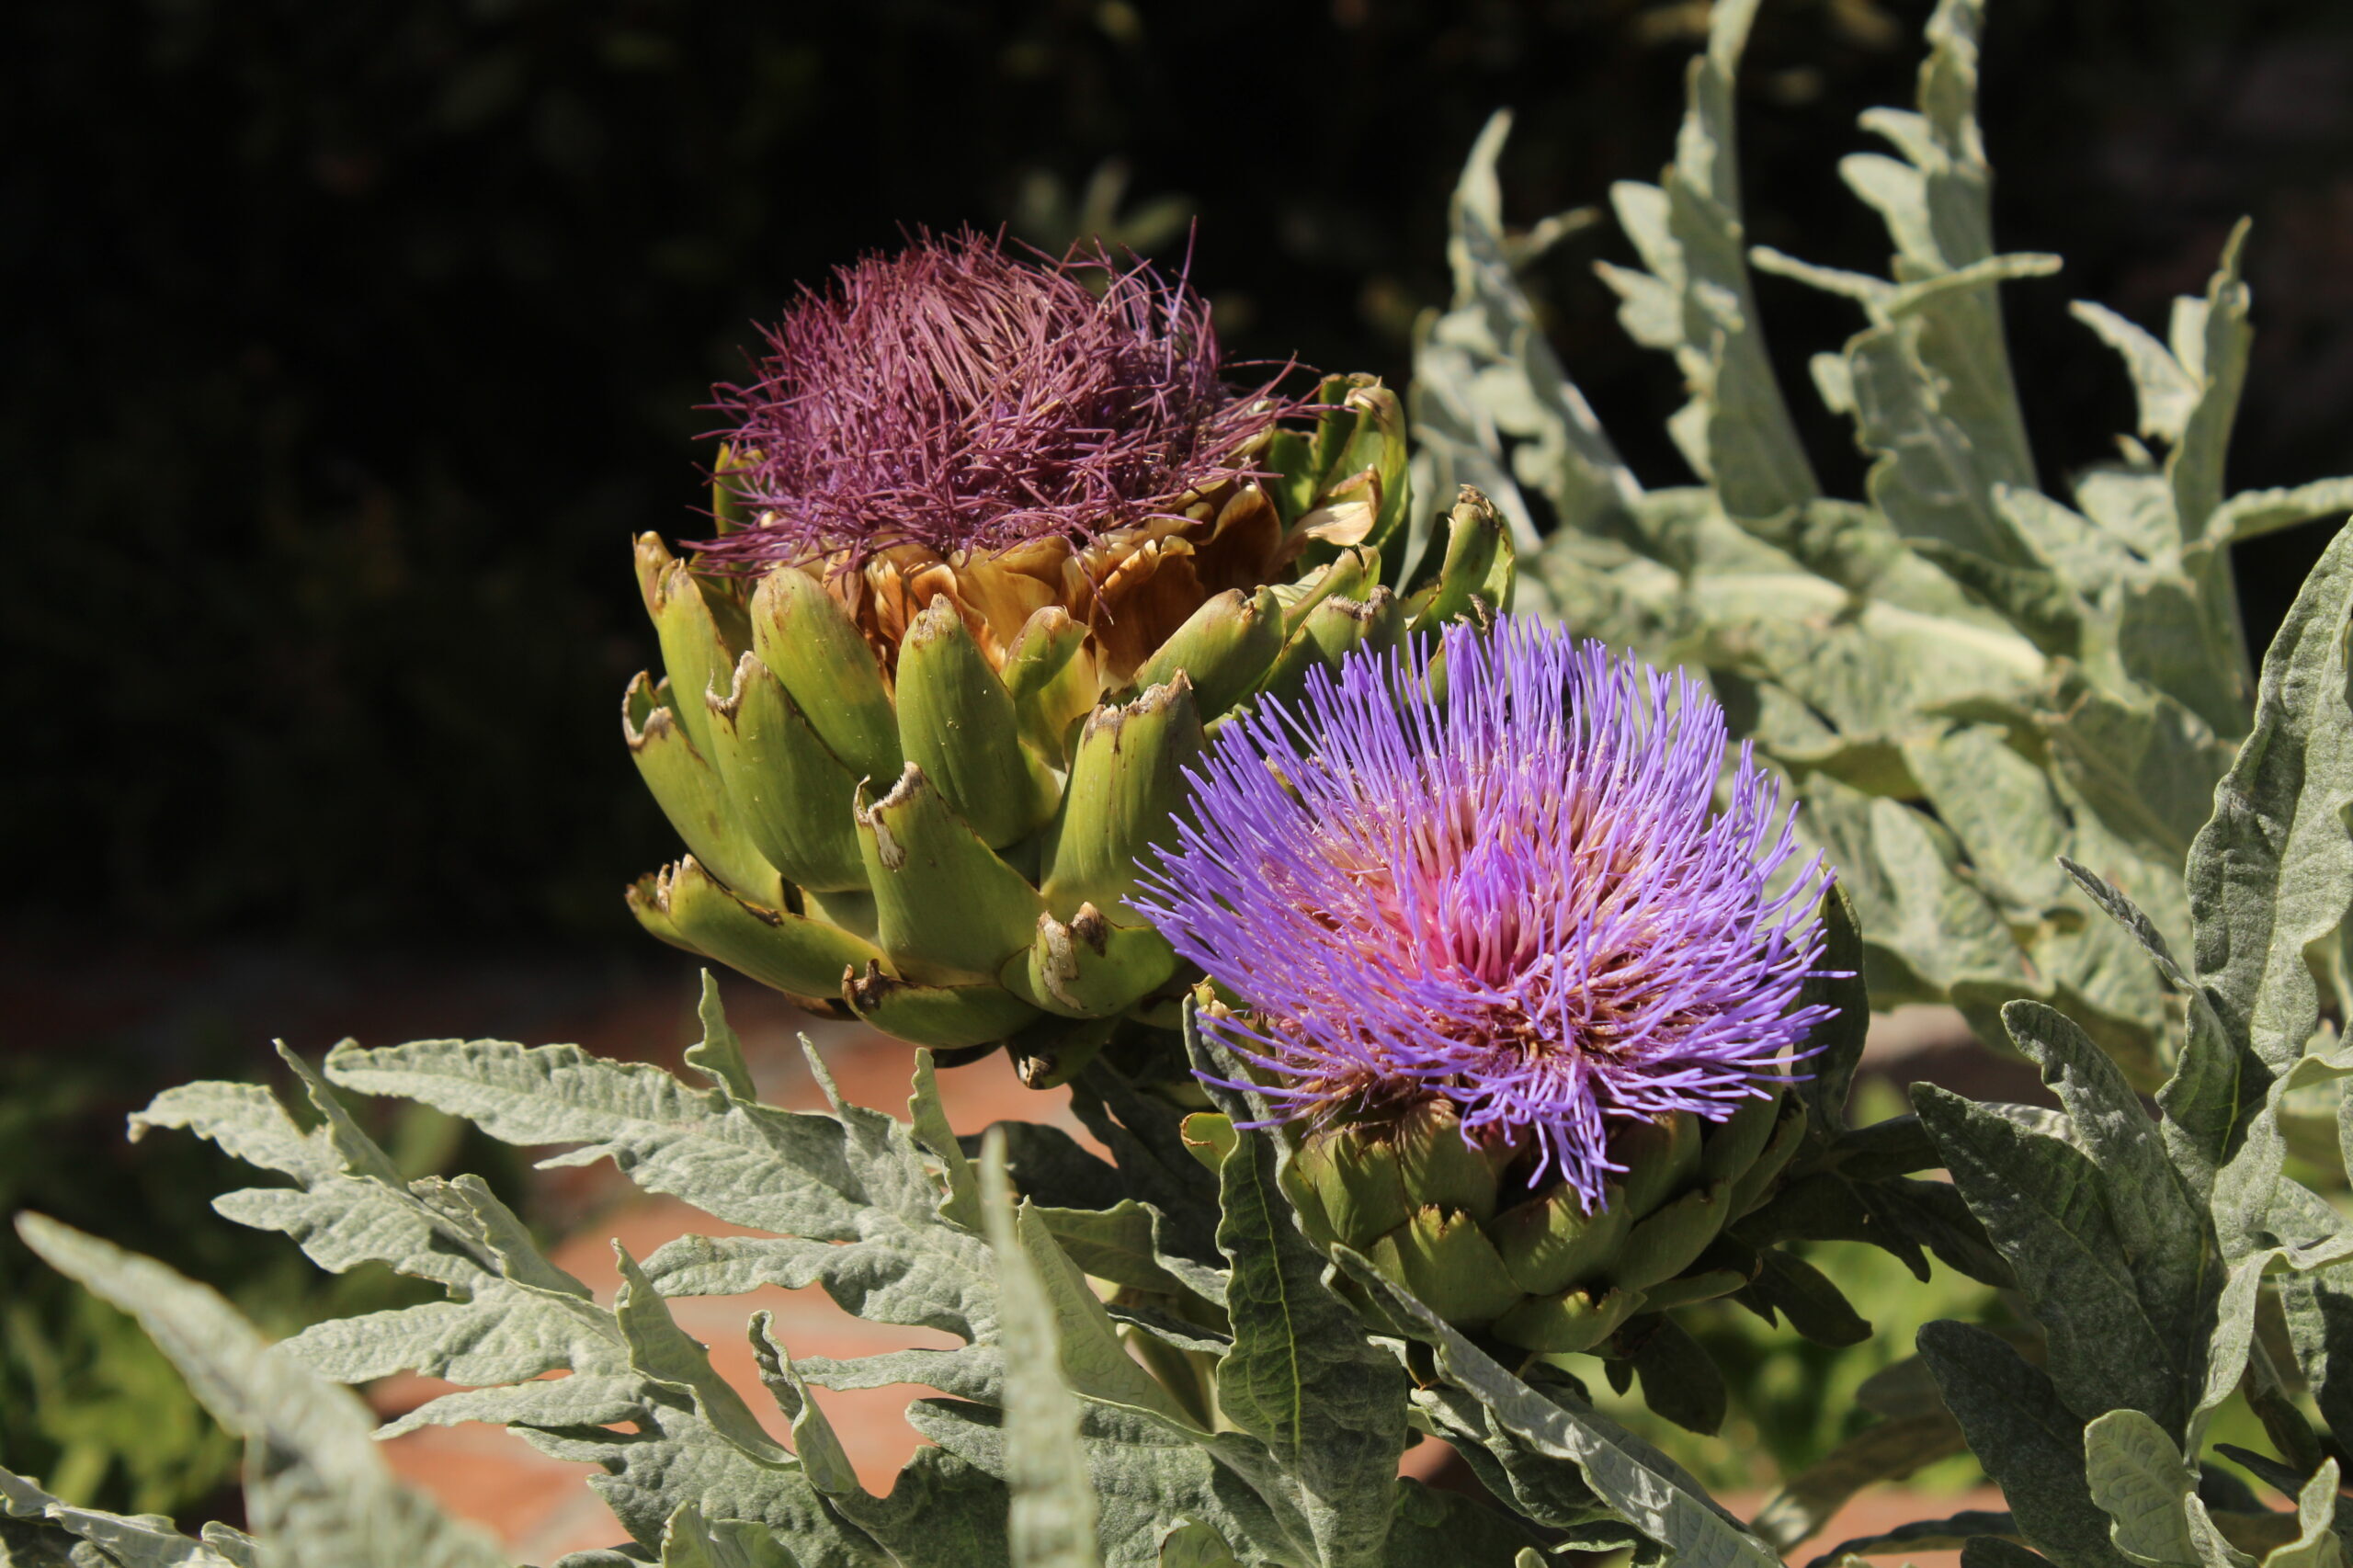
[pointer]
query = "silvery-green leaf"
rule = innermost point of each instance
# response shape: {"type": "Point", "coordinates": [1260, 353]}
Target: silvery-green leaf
{"type": "Point", "coordinates": [1872, 293]}
{"type": "Point", "coordinates": [773, 1170]}
{"type": "Point", "coordinates": [2100, 979]}
{"type": "Point", "coordinates": [1301, 1377]}
{"type": "Point", "coordinates": [814, 1442]}
{"type": "Point", "coordinates": [1932, 479]}
{"type": "Point", "coordinates": [960, 1206]}
{"type": "Point", "coordinates": [2251, 514]}
{"type": "Point", "coordinates": [974, 1372]}
{"type": "Point", "coordinates": [2153, 885]}
{"type": "Point", "coordinates": [2046, 1205]}
{"type": "Point", "coordinates": [674, 1455]}
{"type": "Point", "coordinates": [939, 1509]}
{"type": "Point", "coordinates": [247, 1122]}
{"type": "Point", "coordinates": [2132, 505]}
{"type": "Point", "coordinates": [1736, 431]}
{"type": "Point", "coordinates": [689, 1540]}
{"type": "Point", "coordinates": [2164, 389]}
{"type": "Point", "coordinates": [2040, 604]}
{"type": "Point", "coordinates": [588, 1399]}
{"type": "Point", "coordinates": [2217, 1084]}
{"type": "Point", "coordinates": [2029, 1443]}
{"type": "Point", "coordinates": [2140, 1479]}
{"type": "Point", "coordinates": [691, 1439]}
{"type": "Point", "coordinates": [29, 1543]}
{"type": "Point", "coordinates": [1545, 1488]}
{"type": "Point", "coordinates": [1650, 1491]}
{"type": "Point", "coordinates": [1482, 369]}
{"type": "Point", "coordinates": [520, 1315]}
{"type": "Point", "coordinates": [1146, 1476]}
{"type": "Point", "coordinates": [719, 1055]}
{"type": "Point", "coordinates": [2231, 1340]}
{"type": "Point", "coordinates": [661, 1350]}
{"type": "Point", "coordinates": [2317, 1544]}
{"type": "Point", "coordinates": [2170, 636]}
{"type": "Point", "coordinates": [1914, 907]}
{"type": "Point", "coordinates": [39, 1529]}
{"type": "Point", "coordinates": [2148, 767]}
{"type": "Point", "coordinates": [855, 1177]}
{"type": "Point", "coordinates": [2319, 1307]}
{"type": "Point", "coordinates": [317, 1489]}
{"type": "Point", "coordinates": [1095, 1363]}
{"type": "Point", "coordinates": [2000, 806]}
{"type": "Point", "coordinates": [2090, 560]}
{"type": "Point", "coordinates": [914, 1278]}
{"type": "Point", "coordinates": [1194, 1545]}
{"type": "Point", "coordinates": [1961, 405]}
{"type": "Point", "coordinates": [2271, 875]}
{"type": "Point", "coordinates": [2175, 1262]}
{"type": "Point", "coordinates": [1053, 1517]}
{"type": "Point", "coordinates": [1119, 1245]}
{"type": "Point", "coordinates": [2210, 340]}
{"type": "Point", "coordinates": [1871, 670]}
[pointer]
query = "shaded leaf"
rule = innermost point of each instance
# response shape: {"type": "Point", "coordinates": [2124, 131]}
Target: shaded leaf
{"type": "Point", "coordinates": [1886, 1451]}
{"type": "Point", "coordinates": [316, 1486]}
{"type": "Point", "coordinates": [1680, 1381]}
{"type": "Point", "coordinates": [1648, 1490]}
{"type": "Point", "coordinates": [1054, 1515]}
{"type": "Point", "coordinates": [2028, 1442]}
{"type": "Point", "coordinates": [2046, 1207]}
{"type": "Point", "coordinates": [1925, 1535]}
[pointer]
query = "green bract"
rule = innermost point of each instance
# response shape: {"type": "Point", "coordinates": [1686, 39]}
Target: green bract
{"type": "Point", "coordinates": [1538, 1273]}
{"type": "Point", "coordinates": [939, 839]}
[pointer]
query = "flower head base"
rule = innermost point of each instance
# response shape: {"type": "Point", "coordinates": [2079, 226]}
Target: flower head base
{"type": "Point", "coordinates": [961, 400]}
{"type": "Point", "coordinates": [1518, 897]}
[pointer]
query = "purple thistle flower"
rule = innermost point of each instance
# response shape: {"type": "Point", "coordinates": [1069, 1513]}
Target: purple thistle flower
{"type": "Point", "coordinates": [953, 397]}
{"type": "Point", "coordinates": [1519, 897]}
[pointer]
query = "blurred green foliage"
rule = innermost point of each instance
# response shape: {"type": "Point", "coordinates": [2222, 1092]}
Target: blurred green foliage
{"type": "Point", "coordinates": [350, 344]}
{"type": "Point", "coordinates": [87, 1403]}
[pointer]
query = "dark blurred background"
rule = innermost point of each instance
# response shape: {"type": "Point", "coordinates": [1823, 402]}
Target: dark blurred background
{"type": "Point", "coordinates": [346, 346]}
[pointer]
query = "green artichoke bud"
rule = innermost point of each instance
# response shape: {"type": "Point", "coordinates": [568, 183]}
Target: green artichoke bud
{"type": "Point", "coordinates": [1449, 1219]}
{"type": "Point", "coordinates": [916, 783]}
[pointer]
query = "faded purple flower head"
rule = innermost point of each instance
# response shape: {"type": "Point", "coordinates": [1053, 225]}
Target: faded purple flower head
{"type": "Point", "coordinates": [955, 397]}
{"type": "Point", "coordinates": [1519, 897]}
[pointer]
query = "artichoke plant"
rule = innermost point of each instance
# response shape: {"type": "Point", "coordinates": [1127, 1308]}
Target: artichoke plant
{"type": "Point", "coordinates": [1966, 678]}
{"type": "Point", "coordinates": [1527, 997]}
{"type": "Point", "coordinates": [995, 552]}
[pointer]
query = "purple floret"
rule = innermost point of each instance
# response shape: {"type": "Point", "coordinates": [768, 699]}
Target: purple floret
{"type": "Point", "coordinates": [1519, 898]}
{"type": "Point", "coordinates": [954, 397]}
